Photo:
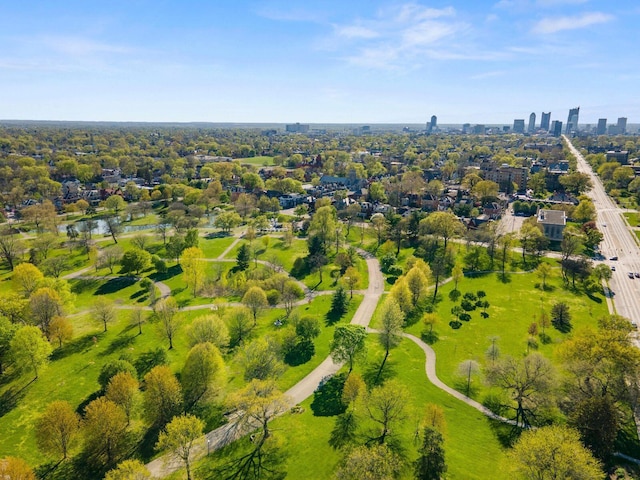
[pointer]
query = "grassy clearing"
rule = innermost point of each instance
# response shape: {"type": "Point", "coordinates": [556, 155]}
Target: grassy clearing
{"type": "Point", "coordinates": [514, 306]}
{"type": "Point", "coordinates": [633, 218]}
{"type": "Point", "coordinates": [259, 161]}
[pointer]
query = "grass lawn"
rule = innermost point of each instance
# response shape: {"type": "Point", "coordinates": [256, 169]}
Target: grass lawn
{"type": "Point", "coordinates": [513, 307]}
{"type": "Point", "coordinates": [257, 161]}
{"type": "Point", "coordinates": [472, 446]}
{"type": "Point", "coordinates": [213, 247]}
{"type": "Point", "coordinates": [122, 290]}
{"type": "Point", "coordinates": [633, 218]}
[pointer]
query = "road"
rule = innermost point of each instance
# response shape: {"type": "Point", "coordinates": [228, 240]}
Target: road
{"type": "Point", "coordinates": [618, 242]}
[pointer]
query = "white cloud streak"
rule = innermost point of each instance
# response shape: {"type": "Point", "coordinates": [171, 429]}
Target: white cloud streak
{"type": "Point", "coordinates": [551, 25]}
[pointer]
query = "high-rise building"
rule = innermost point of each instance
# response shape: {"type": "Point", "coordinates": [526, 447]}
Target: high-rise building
{"type": "Point", "coordinates": [297, 128]}
{"type": "Point", "coordinates": [601, 129]}
{"type": "Point", "coordinates": [518, 125]}
{"type": "Point", "coordinates": [532, 123]}
{"type": "Point", "coordinates": [545, 121]}
{"type": "Point", "coordinates": [622, 125]}
{"type": "Point", "coordinates": [433, 124]}
{"type": "Point", "coordinates": [556, 128]}
{"type": "Point", "coordinates": [572, 120]}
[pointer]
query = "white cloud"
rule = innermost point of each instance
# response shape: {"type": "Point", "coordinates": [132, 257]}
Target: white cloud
{"type": "Point", "coordinates": [555, 3]}
{"type": "Point", "coordinates": [482, 76]}
{"type": "Point", "coordinates": [558, 24]}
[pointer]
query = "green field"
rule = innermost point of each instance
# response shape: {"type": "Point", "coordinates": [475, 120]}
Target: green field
{"type": "Point", "coordinates": [256, 161]}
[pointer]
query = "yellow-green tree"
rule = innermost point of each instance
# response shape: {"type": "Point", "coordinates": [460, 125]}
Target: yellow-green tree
{"type": "Point", "coordinates": [26, 277]}
{"type": "Point", "coordinates": [57, 429]}
{"type": "Point", "coordinates": [129, 470]}
{"type": "Point", "coordinates": [193, 267]}
{"type": "Point", "coordinates": [180, 437]}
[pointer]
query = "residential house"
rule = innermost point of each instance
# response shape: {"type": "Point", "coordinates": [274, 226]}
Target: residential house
{"type": "Point", "coordinates": [553, 223]}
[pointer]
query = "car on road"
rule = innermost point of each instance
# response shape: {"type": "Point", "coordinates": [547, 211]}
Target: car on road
{"type": "Point", "coordinates": [630, 274]}
{"type": "Point", "coordinates": [604, 224]}
{"type": "Point", "coordinates": [637, 274]}
{"type": "Point", "coordinates": [613, 259]}
{"type": "Point", "coordinates": [613, 268]}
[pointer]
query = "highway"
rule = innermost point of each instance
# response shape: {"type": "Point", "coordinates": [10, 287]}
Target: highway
{"type": "Point", "coordinates": [618, 242]}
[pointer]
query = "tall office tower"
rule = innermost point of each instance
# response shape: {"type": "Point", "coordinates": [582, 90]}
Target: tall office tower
{"type": "Point", "coordinates": [601, 129]}
{"type": "Point", "coordinates": [544, 121]}
{"type": "Point", "coordinates": [433, 124]}
{"type": "Point", "coordinates": [572, 120]}
{"type": "Point", "coordinates": [622, 125]}
{"type": "Point", "coordinates": [532, 123]}
{"type": "Point", "coordinates": [518, 126]}
{"type": "Point", "coordinates": [556, 128]}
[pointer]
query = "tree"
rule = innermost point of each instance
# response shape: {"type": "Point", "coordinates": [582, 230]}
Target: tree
{"type": "Point", "coordinates": [255, 299]}
{"type": "Point", "coordinates": [386, 406]}
{"type": "Point", "coordinates": [11, 247]}
{"type": "Point", "coordinates": [353, 387]}
{"type": "Point", "coordinates": [261, 360]}
{"type": "Point", "coordinates": [351, 279]}
{"type": "Point", "coordinates": [112, 368]}
{"type": "Point", "coordinates": [339, 302]}
{"type": "Point", "coordinates": [109, 257]}
{"type": "Point", "coordinates": [115, 203]}
{"type": "Point", "coordinates": [54, 266]}
{"type": "Point", "coordinates": [57, 429]}
{"type": "Point", "coordinates": [528, 381]}
{"type": "Point", "coordinates": [7, 331]}
{"type": "Point", "coordinates": [417, 283]}
{"type": "Point", "coordinates": [13, 468]}
{"type": "Point", "coordinates": [135, 261]}
{"type": "Point", "coordinates": [584, 212]}
{"type": "Point", "coordinates": [123, 390]}
{"type": "Point", "coordinates": [175, 247]}
{"type": "Point", "coordinates": [104, 310]}
{"type": "Point", "coordinates": [193, 266]}
{"type": "Point", "coordinates": [29, 348]}
{"type": "Point", "coordinates": [457, 274]}
{"type": "Point", "coordinates": [379, 225]}
{"type": "Point", "coordinates": [376, 462]}
{"type": "Point", "coordinates": [348, 344]}
{"type": "Point", "coordinates": [137, 317]}
{"type": "Point", "coordinates": [560, 316]}
{"type": "Point", "coordinates": [468, 369]}
{"type": "Point", "coordinates": [576, 183]}
{"type": "Point", "coordinates": [208, 328]}
{"type": "Point", "coordinates": [543, 271]}
{"type": "Point", "coordinates": [256, 404]}
{"type": "Point", "coordinates": [324, 225]}
{"type": "Point", "coordinates": [431, 463]}
{"type": "Point", "coordinates": [61, 330]}
{"type": "Point", "coordinates": [291, 292]}
{"type": "Point", "coordinates": [26, 277]}
{"type": "Point", "coordinates": [245, 204]}
{"type": "Point", "coordinates": [104, 429]}
{"type": "Point", "coordinates": [505, 242]}
{"type": "Point", "coordinates": [203, 373]}
{"type": "Point", "coordinates": [392, 321]}
{"type": "Point", "coordinates": [225, 221]}
{"type": "Point", "coordinates": [240, 325]}
{"type": "Point", "coordinates": [166, 310]}
{"type": "Point", "coordinates": [45, 304]}
{"type": "Point", "coordinates": [485, 190]}
{"type": "Point", "coordinates": [243, 257]}
{"type": "Point", "coordinates": [553, 452]}
{"type": "Point", "coordinates": [129, 470]}
{"type": "Point", "coordinates": [113, 226]}
{"type": "Point", "coordinates": [441, 224]}
{"type": "Point", "coordinates": [162, 397]}
{"type": "Point", "coordinates": [179, 437]}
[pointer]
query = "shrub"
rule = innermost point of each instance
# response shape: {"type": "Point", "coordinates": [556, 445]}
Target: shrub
{"type": "Point", "coordinates": [387, 261]}
{"type": "Point", "coordinates": [455, 324]}
{"type": "Point", "coordinates": [468, 305]}
{"type": "Point", "coordinates": [110, 369]}
{"type": "Point", "coordinates": [394, 270]}
{"type": "Point", "coordinates": [273, 297]}
{"type": "Point", "coordinates": [465, 317]}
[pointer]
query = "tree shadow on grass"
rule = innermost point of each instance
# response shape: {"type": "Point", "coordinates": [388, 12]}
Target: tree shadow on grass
{"type": "Point", "coordinates": [114, 285]}
{"type": "Point", "coordinates": [430, 337]}
{"type": "Point", "coordinates": [327, 399]}
{"type": "Point", "coordinates": [81, 285]}
{"type": "Point", "coordinates": [171, 272]}
{"type": "Point", "coordinates": [504, 277]}
{"type": "Point", "coordinates": [562, 327]}
{"type": "Point", "coordinates": [594, 298]}
{"type": "Point", "coordinates": [77, 345]}
{"type": "Point", "coordinates": [371, 376]}
{"type": "Point", "coordinates": [11, 397]}
{"type": "Point", "coordinates": [118, 343]}
{"type": "Point", "coordinates": [506, 434]}
{"type": "Point", "coordinates": [87, 400]}
{"type": "Point", "coordinates": [147, 445]}
{"type": "Point", "coordinates": [301, 353]}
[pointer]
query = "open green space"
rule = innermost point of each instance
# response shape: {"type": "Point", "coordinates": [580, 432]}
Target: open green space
{"type": "Point", "coordinates": [259, 161]}
{"type": "Point", "coordinates": [633, 218]}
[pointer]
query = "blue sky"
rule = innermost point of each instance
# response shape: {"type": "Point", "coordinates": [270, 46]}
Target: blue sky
{"type": "Point", "coordinates": [347, 61]}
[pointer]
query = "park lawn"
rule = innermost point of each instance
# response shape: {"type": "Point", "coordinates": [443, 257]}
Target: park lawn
{"type": "Point", "coordinates": [513, 307]}
{"type": "Point", "coordinates": [122, 290]}
{"type": "Point", "coordinates": [258, 161]}
{"type": "Point", "coordinates": [633, 218]}
{"type": "Point", "coordinates": [473, 450]}
{"type": "Point", "coordinates": [363, 270]}
{"type": "Point", "coordinates": [150, 219]}
{"type": "Point", "coordinates": [362, 236]}
{"type": "Point", "coordinates": [72, 375]}
{"type": "Point", "coordinates": [277, 248]}
{"type": "Point", "coordinates": [213, 247]}
{"type": "Point", "coordinates": [318, 308]}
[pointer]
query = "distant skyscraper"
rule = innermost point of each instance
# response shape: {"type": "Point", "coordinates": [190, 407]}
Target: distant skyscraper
{"type": "Point", "coordinates": [556, 128]}
{"type": "Point", "coordinates": [622, 125]}
{"type": "Point", "coordinates": [518, 125]}
{"type": "Point", "coordinates": [544, 121]}
{"type": "Point", "coordinates": [296, 128]}
{"type": "Point", "coordinates": [532, 123]}
{"type": "Point", "coordinates": [572, 120]}
{"type": "Point", "coordinates": [433, 124]}
{"type": "Point", "coordinates": [601, 129]}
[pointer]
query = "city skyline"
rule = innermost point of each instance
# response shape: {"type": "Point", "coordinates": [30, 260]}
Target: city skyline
{"type": "Point", "coordinates": [356, 62]}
